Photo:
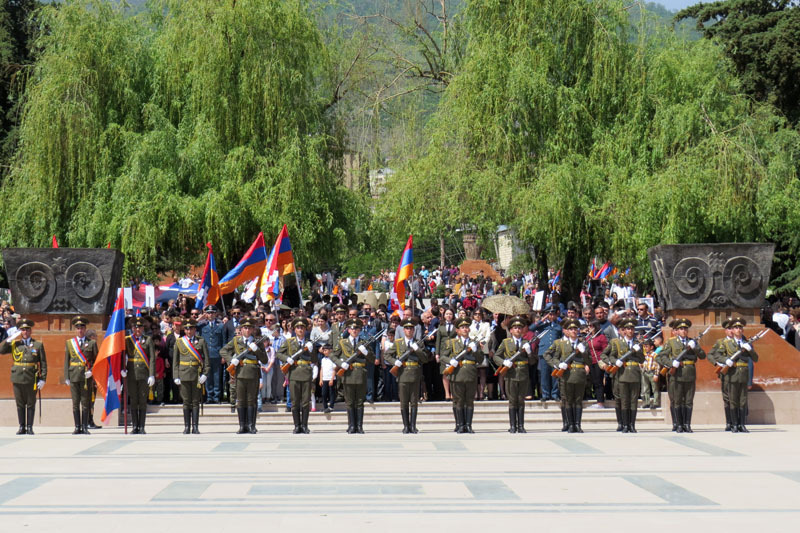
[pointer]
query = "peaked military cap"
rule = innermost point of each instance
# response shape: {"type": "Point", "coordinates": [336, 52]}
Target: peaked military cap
{"type": "Point", "coordinates": [190, 323]}
{"type": "Point", "coordinates": [408, 323]}
{"type": "Point", "coordinates": [626, 323]}
{"type": "Point", "coordinates": [680, 323]}
{"type": "Point", "coordinates": [461, 322]}
{"type": "Point", "coordinates": [569, 323]}
{"type": "Point", "coordinates": [210, 309]}
{"type": "Point", "coordinates": [299, 321]}
{"type": "Point", "coordinates": [25, 323]}
{"type": "Point", "coordinates": [737, 322]}
{"type": "Point", "coordinates": [339, 308]}
{"type": "Point", "coordinates": [140, 322]}
{"type": "Point", "coordinates": [518, 320]}
{"type": "Point", "coordinates": [354, 323]}
{"type": "Point", "coordinates": [247, 322]}
{"type": "Point", "coordinates": [79, 321]}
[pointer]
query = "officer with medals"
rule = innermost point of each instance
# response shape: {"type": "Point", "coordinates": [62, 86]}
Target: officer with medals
{"type": "Point", "coordinates": [683, 382]}
{"type": "Point", "coordinates": [714, 357]}
{"type": "Point", "coordinates": [628, 379]}
{"type": "Point", "coordinates": [298, 352]}
{"type": "Point", "coordinates": [464, 379]}
{"type": "Point", "coordinates": [191, 366]}
{"type": "Point", "coordinates": [141, 365]}
{"type": "Point", "coordinates": [353, 357]}
{"type": "Point", "coordinates": [409, 373]}
{"type": "Point", "coordinates": [738, 372]}
{"type": "Point", "coordinates": [517, 378]}
{"type": "Point", "coordinates": [247, 356]}
{"type": "Point", "coordinates": [28, 372]}
{"type": "Point", "coordinates": [572, 383]}
{"type": "Point", "coordinates": [79, 356]}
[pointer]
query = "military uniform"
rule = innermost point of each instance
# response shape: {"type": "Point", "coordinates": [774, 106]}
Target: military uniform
{"type": "Point", "coordinates": [191, 367]}
{"type": "Point", "coordinates": [738, 375]}
{"type": "Point", "coordinates": [685, 376]}
{"type": "Point", "coordinates": [444, 333]}
{"type": "Point", "coordinates": [517, 377]}
{"type": "Point", "coordinates": [572, 383]}
{"type": "Point", "coordinates": [79, 356]}
{"type": "Point", "coordinates": [140, 366]}
{"type": "Point", "coordinates": [301, 375]}
{"type": "Point", "coordinates": [628, 382]}
{"type": "Point", "coordinates": [354, 380]}
{"type": "Point", "coordinates": [248, 373]}
{"type": "Point", "coordinates": [28, 374]}
{"type": "Point", "coordinates": [715, 357]}
{"type": "Point", "coordinates": [464, 379]}
{"type": "Point", "coordinates": [409, 376]}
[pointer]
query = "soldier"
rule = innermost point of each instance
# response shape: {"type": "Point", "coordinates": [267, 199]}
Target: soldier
{"type": "Point", "coordinates": [28, 372]}
{"type": "Point", "coordinates": [685, 376]}
{"type": "Point", "coordinates": [353, 357]}
{"type": "Point", "coordinates": [338, 325]}
{"type": "Point", "coordinates": [297, 351]}
{"type": "Point", "coordinates": [409, 374]}
{"type": "Point", "coordinates": [141, 364]}
{"type": "Point", "coordinates": [464, 378]}
{"type": "Point", "coordinates": [738, 373]}
{"type": "Point", "coordinates": [517, 378]}
{"type": "Point", "coordinates": [445, 332]}
{"type": "Point", "coordinates": [79, 355]}
{"type": "Point", "coordinates": [192, 366]}
{"type": "Point", "coordinates": [247, 356]}
{"type": "Point", "coordinates": [573, 382]}
{"type": "Point", "coordinates": [626, 354]}
{"type": "Point", "coordinates": [715, 356]}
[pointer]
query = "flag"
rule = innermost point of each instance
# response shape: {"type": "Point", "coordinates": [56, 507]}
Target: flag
{"type": "Point", "coordinates": [555, 279]}
{"type": "Point", "coordinates": [593, 268]}
{"type": "Point", "coordinates": [404, 271]}
{"type": "Point", "coordinates": [279, 263]}
{"type": "Point", "coordinates": [604, 271]}
{"type": "Point", "coordinates": [55, 242]}
{"type": "Point", "coordinates": [250, 266]}
{"type": "Point", "coordinates": [284, 259]}
{"type": "Point", "coordinates": [107, 366]}
{"type": "Point", "coordinates": [208, 293]}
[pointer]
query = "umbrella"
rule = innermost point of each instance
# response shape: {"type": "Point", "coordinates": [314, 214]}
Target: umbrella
{"type": "Point", "coordinates": [506, 304]}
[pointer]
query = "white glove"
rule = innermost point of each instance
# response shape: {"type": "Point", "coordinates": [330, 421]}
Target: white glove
{"type": "Point", "coordinates": [473, 346]}
{"type": "Point", "coordinates": [123, 373]}
{"type": "Point", "coordinates": [151, 381]}
{"type": "Point", "coordinates": [398, 363]}
{"type": "Point", "coordinates": [202, 379]}
{"type": "Point", "coordinates": [619, 363]}
{"type": "Point", "coordinates": [87, 374]}
{"type": "Point", "coordinates": [314, 372]}
{"type": "Point", "coordinates": [746, 346]}
{"type": "Point", "coordinates": [636, 347]}
{"type": "Point", "coordinates": [177, 381]}
{"type": "Point", "coordinates": [676, 363]}
{"type": "Point", "coordinates": [729, 362]}
{"type": "Point", "coordinates": [363, 350]}
{"type": "Point", "coordinates": [691, 344]}
{"type": "Point", "coordinates": [562, 365]}
{"type": "Point", "coordinates": [413, 345]}
{"type": "Point", "coordinates": [288, 360]}
{"type": "Point", "coordinates": [308, 346]}
{"type": "Point", "coordinates": [235, 362]}
{"type": "Point", "coordinates": [581, 347]}
{"type": "Point", "coordinates": [454, 362]}
{"type": "Point", "coordinates": [253, 347]}
{"type": "Point", "coordinates": [507, 363]}
{"type": "Point", "coordinates": [40, 384]}
{"type": "Point", "coordinates": [527, 347]}
{"type": "Point", "coordinates": [66, 382]}
{"type": "Point", "coordinates": [345, 365]}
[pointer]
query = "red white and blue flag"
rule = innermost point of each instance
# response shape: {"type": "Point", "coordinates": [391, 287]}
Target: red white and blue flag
{"type": "Point", "coordinates": [208, 292]}
{"type": "Point", "coordinates": [404, 271]}
{"type": "Point", "coordinates": [279, 263]}
{"type": "Point", "coordinates": [107, 367]}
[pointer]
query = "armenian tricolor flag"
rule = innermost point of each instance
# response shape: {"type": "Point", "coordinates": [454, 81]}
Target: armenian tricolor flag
{"type": "Point", "coordinates": [107, 366]}
{"type": "Point", "coordinates": [250, 266]}
{"type": "Point", "coordinates": [208, 293]}
{"type": "Point", "coordinates": [404, 271]}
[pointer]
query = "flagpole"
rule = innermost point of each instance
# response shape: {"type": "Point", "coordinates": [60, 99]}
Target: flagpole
{"type": "Point", "coordinates": [297, 280]}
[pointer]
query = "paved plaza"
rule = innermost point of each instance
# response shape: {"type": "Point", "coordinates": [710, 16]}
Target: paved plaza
{"type": "Point", "coordinates": [383, 481]}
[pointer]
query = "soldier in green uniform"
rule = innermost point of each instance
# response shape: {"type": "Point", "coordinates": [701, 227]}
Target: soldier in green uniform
{"type": "Point", "coordinates": [352, 356]}
{"type": "Point", "coordinates": [715, 356]}
{"type": "Point", "coordinates": [141, 365]}
{"type": "Point", "coordinates": [79, 356]}
{"type": "Point", "coordinates": [338, 325]}
{"type": "Point", "coordinates": [685, 377]}
{"type": "Point", "coordinates": [445, 332]}
{"type": "Point", "coordinates": [409, 374]}
{"type": "Point", "coordinates": [627, 355]}
{"type": "Point", "coordinates": [247, 356]}
{"type": "Point", "coordinates": [191, 367]}
{"type": "Point", "coordinates": [573, 382]}
{"type": "Point", "coordinates": [738, 372]}
{"type": "Point", "coordinates": [298, 352]}
{"type": "Point", "coordinates": [464, 378]}
{"type": "Point", "coordinates": [28, 372]}
{"type": "Point", "coordinates": [517, 378]}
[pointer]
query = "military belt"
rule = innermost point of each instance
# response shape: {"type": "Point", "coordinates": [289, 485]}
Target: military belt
{"type": "Point", "coordinates": [412, 364]}
{"type": "Point", "coordinates": [468, 363]}
{"type": "Point", "coordinates": [195, 363]}
{"type": "Point", "coordinates": [244, 362]}
{"type": "Point", "coordinates": [76, 364]}
{"type": "Point", "coordinates": [358, 365]}
{"type": "Point", "coordinates": [304, 362]}
{"type": "Point", "coordinates": [741, 364]}
{"type": "Point", "coordinates": [690, 363]}
{"type": "Point", "coordinates": [521, 363]}
{"type": "Point", "coordinates": [34, 364]}
{"type": "Point", "coordinates": [138, 360]}
{"type": "Point", "coordinates": [631, 364]}
{"type": "Point", "coordinates": [577, 365]}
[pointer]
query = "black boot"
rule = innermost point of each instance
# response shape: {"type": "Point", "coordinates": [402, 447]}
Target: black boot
{"type": "Point", "coordinates": [632, 420]}
{"type": "Point", "coordinates": [142, 417]}
{"type": "Point", "coordinates": [687, 420]}
{"type": "Point", "coordinates": [742, 417]}
{"type": "Point", "coordinates": [251, 419]}
{"type": "Point", "coordinates": [734, 420]}
{"type": "Point", "coordinates": [564, 420]}
{"type": "Point", "coordinates": [360, 420]}
{"type": "Point", "coordinates": [406, 422]}
{"type": "Point", "coordinates": [298, 425]}
{"type": "Point", "coordinates": [679, 419]}
{"type": "Point", "coordinates": [85, 414]}
{"type": "Point", "coordinates": [134, 421]}
{"type": "Point", "coordinates": [727, 419]}
{"type": "Point", "coordinates": [29, 420]}
{"type": "Point", "coordinates": [456, 417]}
{"type": "Point", "coordinates": [626, 414]}
{"type": "Point", "coordinates": [304, 419]}
{"type": "Point", "coordinates": [414, 429]}
{"type": "Point", "coordinates": [468, 412]}
{"type": "Point", "coordinates": [571, 426]}
{"type": "Point", "coordinates": [459, 420]}
{"type": "Point", "coordinates": [187, 421]}
{"type": "Point", "coordinates": [578, 417]}
{"type": "Point", "coordinates": [241, 412]}
{"type": "Point", "coordinates": [512, 419]}
{"type": "Point", "coordinates": [76, 416]}
{"type": "Point", "coordinates": [351, 421]}
{"type": "Point", "coordinates": [521, 419]}
{"type": "Point", "coordinates": [618, 412]}
{"type": "Point", "coordinates": [195, 420]}
{"type": "Point", "coordinates": [21, 419]}
{"type": "Point", "coordinates": [674, 414]}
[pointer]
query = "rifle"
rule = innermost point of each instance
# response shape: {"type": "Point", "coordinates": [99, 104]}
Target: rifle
{"type": "Point", "coordinates": [231, 367]}
{"type": "Point", "coordinates": [681, 355]}
{"type": "Point", "coordinates": [450, 369]}
{"type": "Point", "coordinates": [723, 369]}
{"type": "Point", "coordinates": [396, 369]}
{"type": "Point", "coordinates": [613, 369]}
{"type": "Point", "coordinates": [558, 372]}
{"type": "Point", "coordinates": [286, 367]}
{"type": "Point", "coordinates": [356, 353]}
{"type": "Point", "coordinates": [502, 370]}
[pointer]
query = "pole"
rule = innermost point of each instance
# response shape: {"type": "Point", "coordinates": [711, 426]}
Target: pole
{"type": "Point", "coordinates": [125, 404]}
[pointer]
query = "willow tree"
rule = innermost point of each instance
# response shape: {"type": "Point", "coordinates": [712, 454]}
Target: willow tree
{"type": "Point", "coordinates": [193, 121]}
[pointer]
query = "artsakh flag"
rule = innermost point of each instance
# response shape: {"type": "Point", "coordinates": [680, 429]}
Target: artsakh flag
{"type": "Point", "coordinates": [208, 292]}
{"type": "Point", "coordinates": [107, 366]}
{"type": "Point", "coordinates": [404, 271]}
{"type": "Point", "coordinates": [279, 263]}
{"type": "Point", "coordinates": [250, 266]}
